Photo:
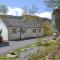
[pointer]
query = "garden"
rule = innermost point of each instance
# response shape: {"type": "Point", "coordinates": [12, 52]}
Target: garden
{"type": "Point", "coordinates": [40, 50]}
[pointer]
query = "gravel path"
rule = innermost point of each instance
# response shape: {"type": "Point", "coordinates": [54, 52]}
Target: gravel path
{"type": "Point", "coordinates": [14, 45]}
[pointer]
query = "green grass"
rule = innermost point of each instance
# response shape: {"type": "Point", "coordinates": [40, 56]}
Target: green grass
{"type": "Point", "coordinates": [3, 57]}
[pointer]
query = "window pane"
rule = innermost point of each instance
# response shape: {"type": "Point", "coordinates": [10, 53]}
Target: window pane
{"type": "Point", "coordinates": [39, 30]}
{"type": "Point", "coordinates": [34, 30]}
{"type": "Point", "coordinates": [14, 30]}
{"type": "Point", "coordinates": [22, 30]}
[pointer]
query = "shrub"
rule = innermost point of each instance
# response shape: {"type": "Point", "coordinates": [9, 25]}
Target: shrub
{"type": "Point", "coordinates": [58, 41]}
{"type": "Point", "coordinates": [12, 53]}
{"type": "Point", "coordinates": [39, 42]}
{"type": "Point", "coordinates": [36, 56]}
{"type": "Point", "coordinates": [47, 28]}
{"type": "Point", "coordinates": [48, 43]}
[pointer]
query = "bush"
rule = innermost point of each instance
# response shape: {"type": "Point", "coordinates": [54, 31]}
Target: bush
{"type": "Point", "coordinates": [36, 56]}
{"type": "Point", "coordinates": [47, 28]}
{"type": "Point", "coordinates": [12, 53]}
{"type": "Point", "coordinates": [48, 43]}
{"type": "Point", "coordinates": [58, 41]}
{"type": "Point", "coordinates": [39, 42]}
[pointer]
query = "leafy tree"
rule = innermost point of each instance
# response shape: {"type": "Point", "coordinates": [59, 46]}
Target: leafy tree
{"type": "Point", "coordinates": [47, 28]}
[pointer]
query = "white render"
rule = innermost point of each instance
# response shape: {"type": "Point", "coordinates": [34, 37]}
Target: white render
{"type": "Point", "coordinates": [27, 34]}
{"type": "Point", "coordinates": [4, 29]}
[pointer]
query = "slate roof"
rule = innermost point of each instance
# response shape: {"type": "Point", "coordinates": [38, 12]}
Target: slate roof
{"type": "Point", "coordinates": [18, 21]}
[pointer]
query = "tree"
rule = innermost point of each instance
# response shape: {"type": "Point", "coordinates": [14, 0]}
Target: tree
{"type": "Point", "coordinates": [30, 11]}
{"type": "Point", "coordinates": [33, 10]}
{"type": "Point", "coordinates": [47, 28]}
{"type": "Point", "coordinates": [3, 9]}
{"type": "Point", "coordinates": [52, 3]}
{"type": "Point", "coordinates": [25, 12]}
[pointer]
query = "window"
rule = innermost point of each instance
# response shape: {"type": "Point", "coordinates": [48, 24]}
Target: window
{"type": "Point", "coordinates": [23, 30]}
{"type": "Point", "coordinates": [34, 30]}
{"type": "Point", "coordinates": [39, 30]}
{"type": "Point", "coordinates": [14, 30]}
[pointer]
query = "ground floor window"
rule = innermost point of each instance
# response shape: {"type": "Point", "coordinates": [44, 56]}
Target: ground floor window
{"type": "Point", "coordinates": [14, 30]}
{"type": "Point", "coordinates": [39, 30]}
{"type": "Point", "coordinates": [22, 30]}
{"type": "Point", "coordinates": [34, 30]}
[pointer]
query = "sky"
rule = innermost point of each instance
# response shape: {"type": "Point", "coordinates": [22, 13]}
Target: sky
{"type": "Point", "coordinates": [15, 7]}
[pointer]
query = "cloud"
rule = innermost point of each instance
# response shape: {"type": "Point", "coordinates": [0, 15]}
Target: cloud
{"type": "Point", "coordinates": [16, 11]}
{"type": "Point", "coordinates": [45, 14]}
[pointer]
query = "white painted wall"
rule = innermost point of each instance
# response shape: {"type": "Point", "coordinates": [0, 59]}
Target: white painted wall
{"type": "Point", "coordinates": [12, 36]}
{"type": "Point", "coordinates": [41, 33]}
{"type": "Point", "coordinates": [4, 31]}
{"type": "Point", "coordinates": [27, 34]}
{"type": "Point", "coordinates": [30, 33]}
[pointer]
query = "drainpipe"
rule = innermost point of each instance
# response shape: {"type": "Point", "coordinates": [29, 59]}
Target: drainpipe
{"type": "Point", "coordinates": [37, 32]}
{"type": "Point", "coordinates": [20, 33]}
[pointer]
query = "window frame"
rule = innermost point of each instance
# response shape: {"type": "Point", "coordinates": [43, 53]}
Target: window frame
{"type": "Point", "coordinates": [39, 30]}
{"type": "Point", "coordinates": [23, 30]}
{"type": "Point", "coordinates": [34, 30]}
{"type": "Point", "coordinates": [14, 30]}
